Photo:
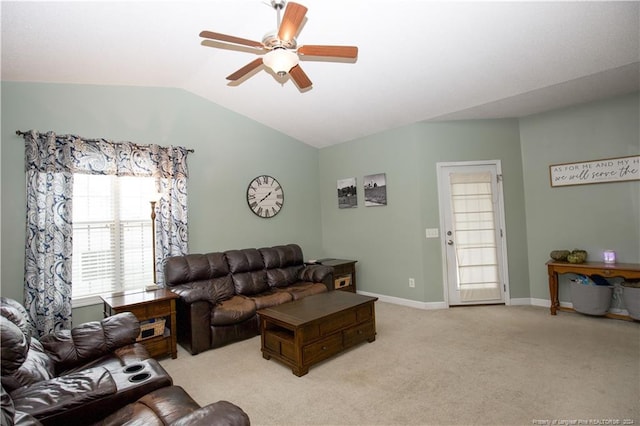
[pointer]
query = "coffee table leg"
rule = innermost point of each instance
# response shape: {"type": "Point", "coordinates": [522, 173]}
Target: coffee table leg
{"type": "Point", "coordinates": [299, 371]}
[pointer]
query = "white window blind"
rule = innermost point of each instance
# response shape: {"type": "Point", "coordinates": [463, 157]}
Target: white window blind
{"type": "Point", "coordinates": [111, 235]}
{"type": "Point", "coordinates": [476, 245]}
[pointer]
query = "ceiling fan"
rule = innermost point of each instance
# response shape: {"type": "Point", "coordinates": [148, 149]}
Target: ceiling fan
{"type": "Point", "coordinates": [281, 53]}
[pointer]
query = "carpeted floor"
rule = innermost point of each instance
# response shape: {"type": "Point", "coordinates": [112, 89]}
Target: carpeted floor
{"type": "Point", "coordinates": [492, 365]}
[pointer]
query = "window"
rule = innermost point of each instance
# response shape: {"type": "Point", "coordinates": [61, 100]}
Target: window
{"type": "Point", "coordinates": [111, 235]}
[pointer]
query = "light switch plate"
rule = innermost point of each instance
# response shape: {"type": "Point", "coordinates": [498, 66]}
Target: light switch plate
{"type": "Point", "coordinates": [431, 233]}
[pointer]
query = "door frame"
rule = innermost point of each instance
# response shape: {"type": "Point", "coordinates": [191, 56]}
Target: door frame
{"type": "Point", "coordinates": [504, 269]}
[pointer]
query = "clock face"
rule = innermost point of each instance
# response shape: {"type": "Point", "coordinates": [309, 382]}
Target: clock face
{"type": "Point", "coordinates": [265, 196]}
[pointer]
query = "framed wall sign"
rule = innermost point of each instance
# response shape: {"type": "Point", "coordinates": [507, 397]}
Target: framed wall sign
{"type": "Point", "coordinates": [618, 169]}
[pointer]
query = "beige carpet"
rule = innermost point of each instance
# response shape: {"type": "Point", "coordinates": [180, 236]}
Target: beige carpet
{"type": "Point", "coordinates": [492, 365]}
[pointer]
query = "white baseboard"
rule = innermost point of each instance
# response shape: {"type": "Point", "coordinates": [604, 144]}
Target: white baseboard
{"type": "Point", "coordinates": [523, 301]}
{"type": "Point", "coordinates": [527, 301]}
{"type": "Point", "coordinates": [405, 302]}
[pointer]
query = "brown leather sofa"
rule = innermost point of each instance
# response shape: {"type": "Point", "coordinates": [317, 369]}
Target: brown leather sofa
{"type": "Point", "coordinates": [83, 375]}
{"type": "Point", "coordinates": [220, 293]}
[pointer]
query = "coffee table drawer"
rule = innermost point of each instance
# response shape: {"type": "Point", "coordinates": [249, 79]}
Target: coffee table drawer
{"type": "Point", "coordinates": [359, 333]}
{"type": "Point", "coordinates": [335, 323]}
{"type": "Point", "coordinates": [364, 312]}
{"type": "Point", "coordinates": [322, 349]}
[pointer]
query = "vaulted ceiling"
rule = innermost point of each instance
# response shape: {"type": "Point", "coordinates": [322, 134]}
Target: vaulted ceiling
{"type": "Point", "coordinates": [418, 60]}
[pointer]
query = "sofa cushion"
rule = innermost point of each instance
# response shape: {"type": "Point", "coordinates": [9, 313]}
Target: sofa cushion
{"type": "Point", "coordinates": [17, 314]}
{"type": "Point", "coordinates": [247, 271]}
{"type": "Point", "coordinates": [283, 264]}
{"type": "Point", "coordinates": [271, 298]}
{"type": "Point", "coordinates": [194, 267]}
{"type": "Point", "coordinates": [232, 311]}
{"type": "Point", "coordinates": [14, 346]}
{"type": "Point", "coordinates": [282, 256]}
{"type": "Point", "coordinates": [36, 368]}
{"type": "Point", "coordinates": [304, 289]}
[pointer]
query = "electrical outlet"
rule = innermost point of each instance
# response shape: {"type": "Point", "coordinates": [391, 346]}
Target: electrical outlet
{"type": "Point", "coordinates": [412, 282]}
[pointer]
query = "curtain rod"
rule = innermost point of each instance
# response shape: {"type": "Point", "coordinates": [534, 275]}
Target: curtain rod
{"type": "Point", "coordinates": [21, 133]}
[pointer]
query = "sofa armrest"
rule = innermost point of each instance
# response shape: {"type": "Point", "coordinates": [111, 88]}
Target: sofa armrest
{"type": "Point", "coordinates": [201, 291]}
{"type": "Point", "coordinates": [317, 274]}
{"type": "Point", "coordinates": [91, 340]}
{"type": "Point", "coordinates": [221, 413]}
{"type": "Point", "coordinates": [193, 322]}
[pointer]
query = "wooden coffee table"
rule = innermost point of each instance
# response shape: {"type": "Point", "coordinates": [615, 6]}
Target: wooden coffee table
{"type": "Point", "coordinates": [307, 331]}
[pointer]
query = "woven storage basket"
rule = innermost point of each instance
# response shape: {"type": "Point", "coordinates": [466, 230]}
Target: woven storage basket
{"type": "Point", "coordinates": [151, 328]}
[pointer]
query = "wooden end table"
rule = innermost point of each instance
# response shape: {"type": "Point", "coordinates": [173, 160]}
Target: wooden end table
{"type": "Point", "coordinates": [344, 273]}
{"type": "Point", "coordinates": [304, 332]}
{"type": "Point", "coordinates": [146, 305]}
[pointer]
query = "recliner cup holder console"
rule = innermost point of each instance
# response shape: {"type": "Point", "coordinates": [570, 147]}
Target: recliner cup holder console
{"type": "Point", "coordinates": [140, 375]}
{"type": "Point", "coordinates": [137, 373]}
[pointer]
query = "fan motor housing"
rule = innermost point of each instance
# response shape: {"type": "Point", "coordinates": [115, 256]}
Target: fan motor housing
{"type": "Point", "coordinates": [271, 41]}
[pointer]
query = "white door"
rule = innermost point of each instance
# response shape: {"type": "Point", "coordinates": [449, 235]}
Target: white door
{"type": "Point", "coordinates": [473, 235]}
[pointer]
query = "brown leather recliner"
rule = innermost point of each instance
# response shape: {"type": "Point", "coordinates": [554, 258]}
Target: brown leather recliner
{"type": "Point", "coordinates": [73, 374]}
{"type": "Point", "coordinates": [94, 373]}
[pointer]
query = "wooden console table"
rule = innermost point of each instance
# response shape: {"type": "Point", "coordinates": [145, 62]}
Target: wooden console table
{"type": "Point", "coordinates": [607, 270]}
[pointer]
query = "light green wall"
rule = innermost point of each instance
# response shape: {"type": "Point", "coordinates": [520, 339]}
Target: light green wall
{"type": "Point", "coordinates": [594, 217]}
{"type": "Point", "coordinates": [389, 242]}
{"type": "Point", "coordinates": [230, 150]}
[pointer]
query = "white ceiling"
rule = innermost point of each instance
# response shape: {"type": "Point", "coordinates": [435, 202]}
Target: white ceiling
{"type": "Point", "coordinates": [418, 60]}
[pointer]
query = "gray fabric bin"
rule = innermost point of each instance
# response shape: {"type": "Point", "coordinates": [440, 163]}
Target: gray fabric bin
{"type": "Point", "coordinates": [591, 299]}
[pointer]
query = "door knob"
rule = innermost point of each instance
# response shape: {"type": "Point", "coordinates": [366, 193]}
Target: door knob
{"type": "Point", "coordinates": [450, 242]}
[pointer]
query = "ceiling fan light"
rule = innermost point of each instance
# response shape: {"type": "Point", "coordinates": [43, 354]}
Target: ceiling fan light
{"type": "Point", "coordinates": [280, 60]}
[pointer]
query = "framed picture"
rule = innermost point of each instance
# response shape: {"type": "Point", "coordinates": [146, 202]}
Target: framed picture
{"type": "Point", "coordinates": [375, 190]}
{"type": "Point", "coordinates": [597, 171]}
{"type": "Point", "coordinates": [347, 194]}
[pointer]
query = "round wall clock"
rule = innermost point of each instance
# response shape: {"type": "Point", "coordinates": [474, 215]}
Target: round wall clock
{"type": "Point", "coordinates": [265, 196]}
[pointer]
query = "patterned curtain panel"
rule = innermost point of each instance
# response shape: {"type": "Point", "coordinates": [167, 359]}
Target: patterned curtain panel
{"type": "Point", "coordinates": [50, 163]}
{"type": "Point", "coordinates": [171, 219]}
{"type": "Point", "coordinates": [49, 230]}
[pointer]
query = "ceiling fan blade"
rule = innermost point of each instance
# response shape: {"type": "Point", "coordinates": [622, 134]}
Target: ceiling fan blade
{"type": "Point", "coordinates": [299, 76]}
{"type": "Point", "coordinates": [331, 51]}
{"type": "Point", "coordinates": [291, 21]}
{"type": "Point", "coordinates": [230, 39]}
{"type": "Point", "coordinates": [245, 70]}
